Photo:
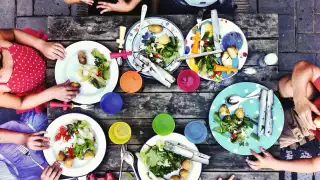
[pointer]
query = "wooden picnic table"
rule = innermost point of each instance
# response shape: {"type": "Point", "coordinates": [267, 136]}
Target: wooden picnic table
{"type": "Point", "coordinates": [140, 108]}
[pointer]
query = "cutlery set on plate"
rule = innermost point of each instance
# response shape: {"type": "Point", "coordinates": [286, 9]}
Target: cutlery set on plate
{"type": "Point", "coordinates": [265, 123]}
{"type": "Point", "coordinates": [128, 158]}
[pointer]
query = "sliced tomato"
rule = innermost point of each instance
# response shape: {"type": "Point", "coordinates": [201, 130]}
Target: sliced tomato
{"type": "Point", "coordinates": [71, 152]}
{"type": "Point", "coordinates": [63, 130]}
{"type": "Point", "coordinates": [67, 137]}
{"type": "Point", "coordinates": [214, 75]}
{"type": "Point", "coordinates": [156, 55]}
{"type": "Point", "coordinates": [234, 135]}
{"type": "Point", "coordinates": [57, 137]}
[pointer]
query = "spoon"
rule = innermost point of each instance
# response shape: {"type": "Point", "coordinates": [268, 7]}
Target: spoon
{"type": "Point", "coordinates": [233, 100]}
{"type": "Point", "coordinates": [129, 158]}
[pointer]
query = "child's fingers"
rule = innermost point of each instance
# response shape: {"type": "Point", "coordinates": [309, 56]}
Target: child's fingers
{"type": "Point", "coordinates": [256, 155]}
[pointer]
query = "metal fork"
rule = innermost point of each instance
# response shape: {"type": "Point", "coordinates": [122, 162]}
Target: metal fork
{"type": "Point", "coordinates": [123, 151]}
{"type": "Point", "coordinates": [26, 152]}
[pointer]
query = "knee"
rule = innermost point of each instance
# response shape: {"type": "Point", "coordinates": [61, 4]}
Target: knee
{"type": "Point", "coordinates": [283, 86]}
{"type": "Point", "coordinates": [302, 64]}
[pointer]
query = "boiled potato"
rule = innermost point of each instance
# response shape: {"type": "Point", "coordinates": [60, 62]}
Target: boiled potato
{"type": "Point", "coordinates": [239, 113]}
{"type": "Point", "coordinates": [186, 164]}
{"type": "Point", "coordinates": [61, 156]}
{"type": "Point", "coordinates": [69, 162]}
{"type": "Point", "coordinates": [163, 39]}
{"type": "Point", "coordinates": [155, 28]}
{"type": "Point", "coordinates": [88, 155]}
{"type": "Point", "coordinates": [224, 110]}
{"type": "Point", "coordinates": [82, 57]}
{"type": "Point", "coordinates": [317, 122]}
{"type": "Point", "coordinates": [75, 84]}
{"type": "Point", "coordinates": [184, 174]}
{"type": "Point", "coordinates": [175, 178]}
{"type": "Point", "coordinates": [226, 60]}
{"type": "Point", "coordinates": [233, 52]}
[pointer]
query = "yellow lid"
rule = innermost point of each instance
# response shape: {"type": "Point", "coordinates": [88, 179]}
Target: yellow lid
{"type": "Point", "coordinates": [120, 132]}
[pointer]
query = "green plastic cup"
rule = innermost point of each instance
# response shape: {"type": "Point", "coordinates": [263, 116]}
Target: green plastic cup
{"type": "Point", "coordinates": [163, 124]}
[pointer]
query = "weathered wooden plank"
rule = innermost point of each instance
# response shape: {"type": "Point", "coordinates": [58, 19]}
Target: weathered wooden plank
{"type": "Point", "coordinates": [257, 48]}
{"type": "Point", "coordinates": [106, 27]}
{"type": "Point", "coordinates": [221, 160]}
{"type": "Point", "coordinates": [212, 175]}
{"type": "Point", "coordinates": [264, 76]}
{"type": "Point", "coordinates": [258, 25]}
{"type": "Point", "coordinates": [148, 105]}
{"type": "Point", "coordinates": [216, 175]}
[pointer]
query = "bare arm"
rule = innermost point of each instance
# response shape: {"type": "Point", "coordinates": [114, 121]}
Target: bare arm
{"type": "Point", "coordinates": [33, 141]}
{"type": "Point", "coordinates": [303, 74]}
{"type": "Point", "coordinates": [63, 92]}
{"type": "Point", "coordinates": [27, 102]}
{"type": "Point", "coordinates": [120, 6]}
{"type": "Point", "coordinates": [21, 37]}
{"type": "Point", "coordinates": [7, 136]}
{"type": "Point", "coordinates": [299, 165]}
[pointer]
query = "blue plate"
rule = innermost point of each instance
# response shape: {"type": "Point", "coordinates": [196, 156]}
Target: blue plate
{"type": "Point", "coordinates": [251, 109]}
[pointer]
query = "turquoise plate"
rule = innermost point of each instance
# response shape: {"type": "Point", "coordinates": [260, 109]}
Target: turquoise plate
{"type": "Point", "coordinates": [251, 109]}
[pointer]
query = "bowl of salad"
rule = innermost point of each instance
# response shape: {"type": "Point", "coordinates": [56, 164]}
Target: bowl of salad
{"type": "Point", "coordinates": [156, 163]}
{"type": "Point", "coordinates": [77, 142]}
{"type": "Point", "coordinates": [161, 41]}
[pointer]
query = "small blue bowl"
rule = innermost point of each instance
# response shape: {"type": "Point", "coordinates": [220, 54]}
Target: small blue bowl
{"type": "Point", "coordinates": [196, 132]}
{"type": "Point", "coordinates": [111, 103]}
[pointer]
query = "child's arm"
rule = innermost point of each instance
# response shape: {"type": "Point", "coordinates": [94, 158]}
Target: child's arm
{"type": "Point", "coordinates": [48, 49]}
{"type": "Point", "coordinates": [120, 6]}
{"type": "Point", "coordinates": [299, 165]}
{"type": "Point", "coordinates": [90, 2]}
{"type": "Point", "coordinates": [33, 141]}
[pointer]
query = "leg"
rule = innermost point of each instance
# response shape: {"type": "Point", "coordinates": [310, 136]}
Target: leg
{"type": "Point", "coordinates": [286, 91]}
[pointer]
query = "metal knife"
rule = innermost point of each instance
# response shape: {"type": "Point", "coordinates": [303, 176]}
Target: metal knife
{"type": "Point", "coordinates": [262, 111]}
{"type": "Point", "coordinates": [269, 122]}
{"type": "Point", "coordinates": [216, 29]}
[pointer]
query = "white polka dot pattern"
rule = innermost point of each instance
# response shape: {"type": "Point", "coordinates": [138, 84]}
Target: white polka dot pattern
{"type": "Point", "coordinates": [28, 69]}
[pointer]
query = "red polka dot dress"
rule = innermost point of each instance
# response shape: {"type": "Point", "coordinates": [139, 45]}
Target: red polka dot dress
{"type": "Point", "coordinates": [29, 68]}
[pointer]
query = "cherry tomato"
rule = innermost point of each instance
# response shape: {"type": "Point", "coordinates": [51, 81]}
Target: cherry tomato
{"type": "Point", "coordinates": [156, 55]}
{"type": "Point", "coordinates": [67, 137]}
{"type": "Point", "coordinates": [71, 152]}
{"type": "Point", "coordinates": [57, 137]}
{"type": "Point", "coordinates": [234, 135]}
{"type": "Point", "coordinates": [63, 130]}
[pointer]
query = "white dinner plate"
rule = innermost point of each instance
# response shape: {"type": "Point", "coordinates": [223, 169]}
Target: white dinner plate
{"type": "Point", "coordinates": [194, 172]}
{"type": "Point", "coordinates": [81, 167]}
{"type": "Point", "coordinates": [132, 43]}
{"type": "Point", "coordinates": [67, 70]}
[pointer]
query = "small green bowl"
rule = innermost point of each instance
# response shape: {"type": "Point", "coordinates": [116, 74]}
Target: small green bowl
{"type": "Point", "coordinates": [163, 124]}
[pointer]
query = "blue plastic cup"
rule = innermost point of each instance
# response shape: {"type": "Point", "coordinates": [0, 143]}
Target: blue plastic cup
{"type": "Point", "coordinates": [111, 103]}
{"type": "Point", "coordinates": [196, 132]}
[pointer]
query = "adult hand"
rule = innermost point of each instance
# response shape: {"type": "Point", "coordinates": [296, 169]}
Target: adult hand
{"type": "Point", "coordinates": [230, 178]}
{"type": "Point", "coordinates": [266, 161]}
{"type": "Point", "coordinates": [120, 6]}
{"type": "Point", "coordinates": [64, 92]}
{"type": "Point", "coordinates": [51, 172]}
{"type": "Point", "coordinates": [53, 51]}
{"type": "Point", "coordinates": [304, 108]}
{"type": "Point", "coordinates": [90, 2]}
{"type": "Point", "coordinates": [35, 141]}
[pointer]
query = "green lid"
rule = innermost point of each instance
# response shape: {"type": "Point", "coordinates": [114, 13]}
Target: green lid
{"type": "Point", "coordinates": [163, 124]}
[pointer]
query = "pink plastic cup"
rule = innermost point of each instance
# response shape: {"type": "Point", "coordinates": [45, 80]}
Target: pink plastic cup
{"type": "Point", "coordinates": [188, 80]}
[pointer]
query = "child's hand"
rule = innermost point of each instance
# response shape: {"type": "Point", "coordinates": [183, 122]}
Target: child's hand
{"type": "Point", "coordinates": [90, 2]}
{"type": "Point", "coordinates": [53, 51]}
{"type": "Point", "coordinates": [64, 92]}
{"type": "Point", "coordinates": [230, 178]}
{"type": "Point", "coordinates": [36, 142]}
{"type": "Point", "coordinates": [267, 161]}
{"type": "Point", "coordinates": [51, 172]}
{"type": "Point", "coordinates": [120, 6]}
